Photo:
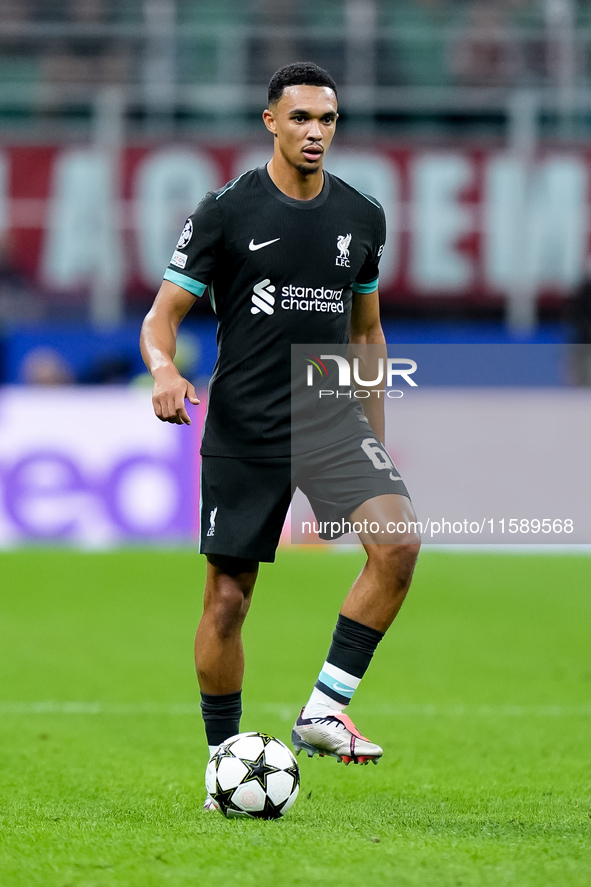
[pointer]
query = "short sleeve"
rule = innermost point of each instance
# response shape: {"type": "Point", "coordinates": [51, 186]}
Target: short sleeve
{"type": "Point", "coordinates": [367, 279]}
{"type": "Point", "coordinates": [194, 259]}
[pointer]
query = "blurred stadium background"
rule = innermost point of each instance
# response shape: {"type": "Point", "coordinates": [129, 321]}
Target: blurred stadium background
{"type": "Point", "coordinates": [469, 120]}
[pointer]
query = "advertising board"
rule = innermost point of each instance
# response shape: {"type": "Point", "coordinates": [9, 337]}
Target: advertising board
{"type": "Point", "coordinates": [93, 467]}
{"type": "Point", "coordinates": [464, 223]}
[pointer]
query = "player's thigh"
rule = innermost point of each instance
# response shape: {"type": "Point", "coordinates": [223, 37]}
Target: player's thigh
{"type": "Point", "coordinates": [387, 519]}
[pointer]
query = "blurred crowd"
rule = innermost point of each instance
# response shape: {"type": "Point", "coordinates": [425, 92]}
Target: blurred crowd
{"type": "Point", "coordinates": [69, 42]}
{"type": "Point", "coordinates": [50, 357]}
{"type": "Point", "coordinates": [416, 42]}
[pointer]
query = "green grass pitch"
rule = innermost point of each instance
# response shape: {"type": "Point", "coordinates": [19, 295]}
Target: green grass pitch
{"type": "Point", "coordinates": [479, 695]}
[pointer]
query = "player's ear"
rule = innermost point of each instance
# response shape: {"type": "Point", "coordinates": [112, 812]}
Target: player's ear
{"type": "Point", "coordinates": [269, 121]}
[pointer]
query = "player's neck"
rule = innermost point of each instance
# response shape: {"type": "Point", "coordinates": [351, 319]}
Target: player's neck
{"type": "Point", "coordinates": [292, 182]}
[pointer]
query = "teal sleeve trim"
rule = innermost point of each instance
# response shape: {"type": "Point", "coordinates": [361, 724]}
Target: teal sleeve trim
{"type": "Point", "coordinates": [193, 286]}
{"type": "Point", "coordinates": [364, 287]}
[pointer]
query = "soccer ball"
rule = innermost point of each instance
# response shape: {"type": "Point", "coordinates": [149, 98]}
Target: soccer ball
{"type": "Point", "coordinates": [254, 776]}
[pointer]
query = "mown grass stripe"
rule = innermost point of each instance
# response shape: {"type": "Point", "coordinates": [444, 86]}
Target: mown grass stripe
{"type": "Point", "coordinates": [286, 710]}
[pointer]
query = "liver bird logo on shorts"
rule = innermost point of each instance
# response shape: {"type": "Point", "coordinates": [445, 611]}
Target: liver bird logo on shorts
{"type": "Point", "coordinates": [212, 515]}
{"type": "Point", "coordinates": [343, 243]}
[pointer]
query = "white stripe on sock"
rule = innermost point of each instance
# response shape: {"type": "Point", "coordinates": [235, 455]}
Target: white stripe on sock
{"type": "Point", "coordinates": [341, 676]}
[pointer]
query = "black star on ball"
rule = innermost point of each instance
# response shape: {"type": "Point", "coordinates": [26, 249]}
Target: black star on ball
{"type": "Point", "coordinates": [223, 751]}
{"type": "Point", "coordinates": [270, 810]}
{"type": "Point", "coordinates": [259, 770]}
{"type": "Point", "coordinates": [224, 798]}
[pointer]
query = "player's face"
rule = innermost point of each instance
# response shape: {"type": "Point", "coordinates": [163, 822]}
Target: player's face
{"type": "Point", "coordinates": [303, 122]}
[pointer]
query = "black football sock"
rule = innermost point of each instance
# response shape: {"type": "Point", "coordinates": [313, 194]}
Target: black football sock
{"type": "Point", "coordinates": [351, 651]}
{"type": "Point", "coordinates": [221, 715]}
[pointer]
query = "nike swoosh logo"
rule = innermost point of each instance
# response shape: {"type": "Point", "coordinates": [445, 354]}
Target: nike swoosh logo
{"type": "Point", "coordinates": [254, 246]}
{"type": "Point", "coordinates": [338, 687]}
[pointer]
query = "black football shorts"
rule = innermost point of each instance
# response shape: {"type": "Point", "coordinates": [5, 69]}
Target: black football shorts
{"type": "Point", "coordinates": [244, 501]}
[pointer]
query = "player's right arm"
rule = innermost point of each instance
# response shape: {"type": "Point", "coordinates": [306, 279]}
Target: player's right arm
{"type": "Point", "coordinates": [158, 345]}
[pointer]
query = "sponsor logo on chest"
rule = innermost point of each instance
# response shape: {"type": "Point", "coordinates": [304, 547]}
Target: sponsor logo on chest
{"type": "Point", "coordinates": [262, 298]}
{"type": "Point", "coordinates": [295, 298]}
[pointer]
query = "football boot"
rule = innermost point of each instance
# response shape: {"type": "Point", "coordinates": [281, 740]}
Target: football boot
{"type": "Point", "coordinates": [336, 735]}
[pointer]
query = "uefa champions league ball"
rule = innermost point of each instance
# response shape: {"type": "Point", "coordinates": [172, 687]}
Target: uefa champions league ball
{"type": "Point", "coordinates": [253, 775]}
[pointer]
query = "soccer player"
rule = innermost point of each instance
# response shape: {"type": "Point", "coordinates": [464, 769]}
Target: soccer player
{"type": "Point", "coordinates": [289, 254]}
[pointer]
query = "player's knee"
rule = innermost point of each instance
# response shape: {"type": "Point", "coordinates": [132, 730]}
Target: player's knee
{"type": "Point", "coordinates": [227, 608]}
{"type": "Point", "coordinates": [231, 573]}
{"type": "Point", "coordinates": [228, 593]}
{"type": "Point", "coordinates": [396, 562]}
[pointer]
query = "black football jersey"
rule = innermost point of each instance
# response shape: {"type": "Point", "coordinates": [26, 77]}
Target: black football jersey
{"type": "Point", "coordinates": [279, 271]}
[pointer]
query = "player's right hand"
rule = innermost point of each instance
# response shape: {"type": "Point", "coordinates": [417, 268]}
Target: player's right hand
{"type": "Point", "coordinates": [168, 398]}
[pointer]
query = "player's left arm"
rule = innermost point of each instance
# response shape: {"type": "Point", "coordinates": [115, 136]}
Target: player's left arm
{"type": "Point", "coordinates": [366, 329]}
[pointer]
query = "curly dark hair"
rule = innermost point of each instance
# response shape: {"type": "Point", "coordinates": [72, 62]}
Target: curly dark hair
{"type": "Point", "coordinates": [298, 74]}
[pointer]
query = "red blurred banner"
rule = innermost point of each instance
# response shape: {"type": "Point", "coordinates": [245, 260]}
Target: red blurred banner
{"type": "Point", "coordinates": [464, 225]}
